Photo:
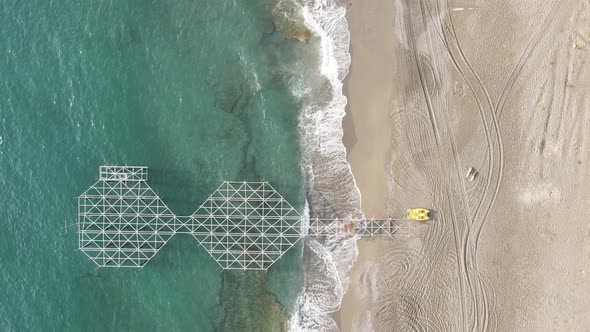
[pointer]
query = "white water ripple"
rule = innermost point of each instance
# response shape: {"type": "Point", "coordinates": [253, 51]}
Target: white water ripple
{"type": "Point", "coordinates": [327, 262]}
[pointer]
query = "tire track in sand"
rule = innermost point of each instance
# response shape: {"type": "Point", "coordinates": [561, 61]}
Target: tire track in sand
{"type": "Point", "coordinates": [479, 308]}
{"type": "Point", "coordinates": [478, 221]}
{"type": "Point", "coordinates": [447, 201]}
{"type": "Point", "coordinates": [497, 111]}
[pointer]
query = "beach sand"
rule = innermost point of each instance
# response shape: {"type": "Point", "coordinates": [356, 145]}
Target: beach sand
{"type": "Point", "coordinates": [437, 87]}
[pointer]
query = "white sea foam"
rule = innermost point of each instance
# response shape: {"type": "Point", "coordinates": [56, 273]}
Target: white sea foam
{"type": "Point", "coordinates": [327, 262]}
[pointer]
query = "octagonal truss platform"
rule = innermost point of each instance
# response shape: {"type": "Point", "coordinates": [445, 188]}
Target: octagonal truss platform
{"type": "Point", "coordinates": [121, 221]}
{"type": "Point", "coordinates": [246, 225]}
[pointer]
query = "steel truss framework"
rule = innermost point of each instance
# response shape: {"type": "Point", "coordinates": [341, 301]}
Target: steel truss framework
{"type": "Point", "coordinates": [372, 228]}
{"type": "Point", "coordinates": [243, 225]}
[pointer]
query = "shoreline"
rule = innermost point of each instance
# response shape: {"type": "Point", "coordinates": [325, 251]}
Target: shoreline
{"type": "Point", "coordinates": [367, 126]}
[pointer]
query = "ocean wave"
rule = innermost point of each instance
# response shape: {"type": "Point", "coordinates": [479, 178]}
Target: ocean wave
{"type": "Point", "coordinates": [332, 190]}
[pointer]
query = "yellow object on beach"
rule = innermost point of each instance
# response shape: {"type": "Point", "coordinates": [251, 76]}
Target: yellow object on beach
{"type": "Point", "coordinates": [418, 214]}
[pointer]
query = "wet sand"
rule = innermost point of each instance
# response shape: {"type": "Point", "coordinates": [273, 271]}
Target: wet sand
{"type": "Point", "coordinates": [435, 88]}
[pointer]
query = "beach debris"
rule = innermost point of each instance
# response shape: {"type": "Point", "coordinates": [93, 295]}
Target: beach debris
{"type": "Point", "coordinates": [579, 46]}
{"type": "Point", "coordinates": [458, 9]}
{"type": "Point", "coordinates": [458, 89]}
{"type": "Point", "coordinates": [472, 174]}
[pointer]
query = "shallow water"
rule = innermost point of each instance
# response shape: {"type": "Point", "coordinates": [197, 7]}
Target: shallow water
{"type": "Point", "coordinates": [197, 91]}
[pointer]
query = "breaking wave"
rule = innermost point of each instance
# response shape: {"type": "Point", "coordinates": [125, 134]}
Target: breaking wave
{"type": "Point", "coordinates": [332, 191]}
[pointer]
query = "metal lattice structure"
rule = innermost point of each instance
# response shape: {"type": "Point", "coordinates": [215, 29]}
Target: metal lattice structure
{"type": "Point", "coordinates": [371, 228]}
{"type": "Point", "coordinates": [123, 173]}
{"type": "Point", "coordinates": [122, 221]}
{"type": "Point", "coordinates": [243, 225]}
{"type": "Point", "coordinates": [246, 225]}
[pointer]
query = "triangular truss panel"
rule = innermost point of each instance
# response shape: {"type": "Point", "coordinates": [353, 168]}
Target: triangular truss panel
{"type": "Point", "coordinates": [246, 225]}
{"type": "Point", "coordinates": [121, 220]}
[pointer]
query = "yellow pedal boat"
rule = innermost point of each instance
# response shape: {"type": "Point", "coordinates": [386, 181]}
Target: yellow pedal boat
{"type": "Point", "coordinates": [419, 214]}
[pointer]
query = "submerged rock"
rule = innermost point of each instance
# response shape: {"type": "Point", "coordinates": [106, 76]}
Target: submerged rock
{"type": "Point", "coordinates": [231, 88]}
{"type": "Point", "coordinates": [288, 20]}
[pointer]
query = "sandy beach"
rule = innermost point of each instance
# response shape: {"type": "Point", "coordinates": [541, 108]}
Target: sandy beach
{"type": "Point", "coordinates": [438, 87]}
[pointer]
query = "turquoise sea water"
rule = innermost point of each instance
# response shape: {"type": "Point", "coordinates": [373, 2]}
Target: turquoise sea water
{"type": "Point", "coordinates": [192, 89]}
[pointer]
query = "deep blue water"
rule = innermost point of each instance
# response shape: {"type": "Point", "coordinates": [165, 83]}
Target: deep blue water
{"type": "Point", "coordinates": [192, 89]}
